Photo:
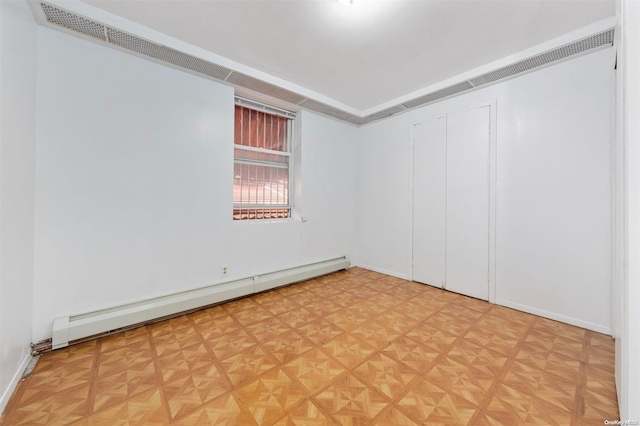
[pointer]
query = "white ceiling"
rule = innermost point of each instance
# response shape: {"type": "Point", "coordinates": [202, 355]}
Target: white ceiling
{"type": "Point", "coordinates": [369, 53]}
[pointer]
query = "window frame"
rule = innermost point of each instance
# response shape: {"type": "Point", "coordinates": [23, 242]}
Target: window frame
{"type": "Point", "coordinates": [290, 116]}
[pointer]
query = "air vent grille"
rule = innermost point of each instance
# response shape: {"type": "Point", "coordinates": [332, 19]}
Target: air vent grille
{"type": "Point", "coordinates": [73, 22]}
{"type": "Point", "coordinates": [263, 87]}
{"type": "Point", "coordinates": [584, 45]}
{"type": "Point", "coordinates": [166, 54]}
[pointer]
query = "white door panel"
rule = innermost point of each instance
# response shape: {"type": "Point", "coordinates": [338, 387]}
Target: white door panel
{"type": "Point", "coordinates": [451, 203]}
{"type": "Point", "coordinates": [429, 174]}
{"type": "Point", "coordinates": [467, 203]}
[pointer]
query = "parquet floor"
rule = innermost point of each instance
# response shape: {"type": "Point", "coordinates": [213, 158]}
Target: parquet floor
{"type": "Point", "coordinates": [352, 348]}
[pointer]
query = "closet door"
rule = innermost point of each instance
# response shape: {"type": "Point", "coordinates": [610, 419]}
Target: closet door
{"type": "Point", "coordinates": [429, 174]}
{"type": "Point", "coordinates": [467, 203]}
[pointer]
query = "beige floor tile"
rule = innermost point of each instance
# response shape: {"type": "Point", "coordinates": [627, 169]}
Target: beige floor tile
{"type": "Point", "coordinates": [352, 348]}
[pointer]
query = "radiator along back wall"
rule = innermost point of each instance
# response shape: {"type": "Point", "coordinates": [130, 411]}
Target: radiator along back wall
{"type": "Point", "coordinates": [134, 170]}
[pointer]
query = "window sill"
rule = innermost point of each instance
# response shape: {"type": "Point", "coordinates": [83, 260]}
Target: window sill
{"type": "Point", "coordinates": [256, 221]}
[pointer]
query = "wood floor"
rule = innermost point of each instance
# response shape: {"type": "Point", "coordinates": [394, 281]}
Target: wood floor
{"type": "Point", "coordinates": [352, 348]}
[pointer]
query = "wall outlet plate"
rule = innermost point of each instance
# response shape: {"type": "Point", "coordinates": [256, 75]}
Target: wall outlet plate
{"type": "Point", "coordinates": [225, 270]}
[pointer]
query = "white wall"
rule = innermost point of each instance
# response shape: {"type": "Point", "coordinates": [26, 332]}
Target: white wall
{"type": "Point", "coordinates": [627, 290]}
{"type": "Point", "coordinates": [18, 43]}
{"type": "Point", "coordinates": [325, 200]}
{"type": "Point", "coordinates": [134, 170]}
{"type": "Point", "coordinates": [384, 191]}
{"type": "Point", "coordinates": [553, 200]}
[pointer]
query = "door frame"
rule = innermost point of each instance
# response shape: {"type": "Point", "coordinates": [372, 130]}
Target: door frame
{"type": "Point", "coordinates": [493, 175]}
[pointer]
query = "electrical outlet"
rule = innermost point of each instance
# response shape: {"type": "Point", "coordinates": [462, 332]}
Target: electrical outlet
{"type": "Point", "coordinates": [225, 270]}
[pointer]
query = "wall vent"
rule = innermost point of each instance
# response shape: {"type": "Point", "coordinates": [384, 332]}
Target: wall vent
{"type": "Point", "coordinates": [166, 54]}
{"type": "Point", "coordinates": [96, 30]}
{"type": "Point", "coordinates": [593, 42]}
{"type": "Point", "coordinates": [73, 22]}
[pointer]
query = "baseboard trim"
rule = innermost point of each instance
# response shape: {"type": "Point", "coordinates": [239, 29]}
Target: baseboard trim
{"type": "Point", "coordinates": [556, 317]}
{"type": "Point", "coordinates": [380, 270]}
{"type": "Point", "coordinates": [6, 395]}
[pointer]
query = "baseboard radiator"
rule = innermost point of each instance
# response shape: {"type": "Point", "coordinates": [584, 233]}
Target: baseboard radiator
{"type": "Point", "coordinates": [75, 328]}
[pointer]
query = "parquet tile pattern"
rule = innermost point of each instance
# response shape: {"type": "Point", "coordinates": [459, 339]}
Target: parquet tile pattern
{"type": "Point", "coordinates": [352, 348]}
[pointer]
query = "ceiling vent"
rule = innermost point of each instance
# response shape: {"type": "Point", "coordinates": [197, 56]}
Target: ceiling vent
{"type": "Point", "coordinates": [183, 60]}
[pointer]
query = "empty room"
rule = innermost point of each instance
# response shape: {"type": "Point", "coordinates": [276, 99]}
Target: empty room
{"type": "Point", "coordinates": [319, 212]}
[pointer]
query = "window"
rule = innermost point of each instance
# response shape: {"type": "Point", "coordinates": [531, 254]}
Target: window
{"type": "Point", "coordinates": [262, 152]}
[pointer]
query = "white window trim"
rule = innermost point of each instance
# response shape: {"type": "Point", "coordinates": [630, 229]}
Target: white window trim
{"type": "Point", "coordinates": [258, 106]}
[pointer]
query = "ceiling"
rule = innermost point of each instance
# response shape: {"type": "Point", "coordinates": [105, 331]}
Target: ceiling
{"type": "Point", "coordinates": [369, 53]}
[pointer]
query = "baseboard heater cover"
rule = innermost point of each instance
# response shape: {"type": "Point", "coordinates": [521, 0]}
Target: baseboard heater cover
{"type": "Point", "coordinates": [294, 275]}
{"type": "Point", "coordinates": [71, 328]}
